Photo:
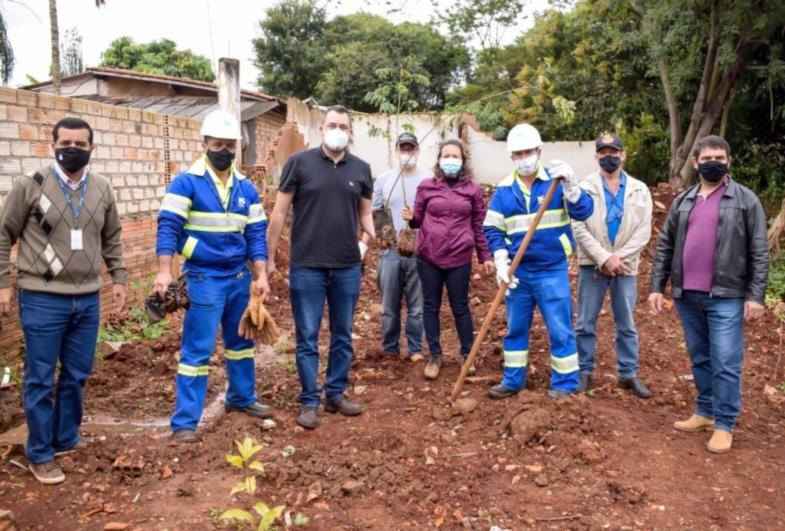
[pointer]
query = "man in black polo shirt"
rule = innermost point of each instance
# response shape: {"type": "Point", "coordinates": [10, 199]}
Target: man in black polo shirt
{"type": "Point", "coordinates": [330, 190]}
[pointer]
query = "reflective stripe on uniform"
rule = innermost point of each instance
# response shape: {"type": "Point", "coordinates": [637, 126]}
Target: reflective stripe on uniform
{"type": "Point", "coordinates": [190, 245]}
{"type": "Point", "coordinates": [177, 204]}
{"type": "Point", "coordinates": [551, 219]}
{"type": "Point", "coordinates": [565, 243]}
{"type": "Point", "coordinates": [516, 358]}
{"type": "Point", "coordinates": [192, 370]}
{"type": "Point", "coordinates": [216, 222]}
{"type": "Point", "coordinates": [565, 365]}
{"type": "Point", "coordinates": [256, 213]}
{"type": "Point", "coordinates": [239, 354]}
{"type": "Point", "coordinates": [494, 219]}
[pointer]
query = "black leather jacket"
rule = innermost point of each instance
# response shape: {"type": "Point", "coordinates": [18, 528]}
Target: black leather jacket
{"type": "Point", "coordinates": [741, 258]}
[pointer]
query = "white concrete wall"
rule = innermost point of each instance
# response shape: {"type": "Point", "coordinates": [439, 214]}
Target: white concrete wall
{"type": "Point", "coordinates": [374, 141]}
{"type": "Point", "coordinates": [374, 134]}
{"type": "Point", "coordinates": [491, 162]}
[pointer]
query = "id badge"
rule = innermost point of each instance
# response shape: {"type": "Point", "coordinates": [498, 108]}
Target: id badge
{"type": "Point", "coordinates": [76, 240]}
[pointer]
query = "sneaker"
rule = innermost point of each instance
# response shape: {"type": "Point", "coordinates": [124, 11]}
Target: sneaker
{"type": "Point", "coordinates": [308, 418]}
{"type": "Point", "coordinates": [81, 444]}
{"type": "Point", "coordinates": [185, 436]}
{"type": "Point", "coordinates": [48, 473]}
{"type": "Point", "coordinates": [255, 410]}
{"type": "Point", "coordinates": [432, 368]}
{"type": "Point", "coordinates": [341, 404]}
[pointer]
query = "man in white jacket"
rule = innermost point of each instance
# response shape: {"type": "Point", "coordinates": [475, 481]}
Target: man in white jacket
{"type": "Point", "coordinates": [609, 247]}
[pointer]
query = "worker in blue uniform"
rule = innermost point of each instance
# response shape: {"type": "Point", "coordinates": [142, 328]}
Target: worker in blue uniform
{"type": "Point", "coordinates": [542, 278]}
{"type": "Point", "coordinates": [212, 215]}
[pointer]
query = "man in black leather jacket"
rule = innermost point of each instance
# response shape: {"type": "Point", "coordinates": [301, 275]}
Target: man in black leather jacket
{"type": "Point", "coordinates": [714, 249]}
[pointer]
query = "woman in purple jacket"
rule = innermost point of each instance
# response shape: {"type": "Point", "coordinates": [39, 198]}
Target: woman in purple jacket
{"type": "Point", "coordinates": [449, 211]}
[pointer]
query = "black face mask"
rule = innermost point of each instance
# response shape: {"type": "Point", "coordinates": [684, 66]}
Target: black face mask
{"type": "Point", "coordinates": [609, 163]}
{"type": "Point", "coordinates": [72, 159]}
{"type": "Point", "coordinates": [713, 171]}
{"type": "Point", "coordinates": [221, 160]}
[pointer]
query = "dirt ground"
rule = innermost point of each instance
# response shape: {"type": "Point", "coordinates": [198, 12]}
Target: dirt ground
{"type": "Point", "coordinates": [412, 461]}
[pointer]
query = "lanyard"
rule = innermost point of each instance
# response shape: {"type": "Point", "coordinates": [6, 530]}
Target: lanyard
{"type": "Point", "coordinates": [78, 209]}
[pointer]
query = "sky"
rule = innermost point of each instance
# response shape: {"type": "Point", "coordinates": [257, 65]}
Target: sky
{"type": "Point", "coordinates": [213, 28]}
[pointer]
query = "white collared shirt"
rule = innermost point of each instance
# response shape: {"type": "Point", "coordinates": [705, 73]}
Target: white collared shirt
{"type": "Point", "coordinates": [67, 180]}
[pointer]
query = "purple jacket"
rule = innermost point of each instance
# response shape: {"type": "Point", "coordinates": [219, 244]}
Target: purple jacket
{"type": "Point", "coordinates": [450, 222]}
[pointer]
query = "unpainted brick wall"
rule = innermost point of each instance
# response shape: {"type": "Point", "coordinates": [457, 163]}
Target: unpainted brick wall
{"type": "Point", "coordinates": [130, 151]}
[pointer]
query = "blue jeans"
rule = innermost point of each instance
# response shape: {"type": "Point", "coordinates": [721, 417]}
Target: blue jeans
{"type": "Point", "coordinates": [456, 280]}
{"type": "Point", "coordinates": [64, 329]}
{"type": "Point", "coordinates": [215, 301]}
{"type": "Point", "coordinates": [714, 332]}
{"type": "Point", "coordinates": [309, 287]}
{"type": "Point", "coordinates": [397, 278]}
{"type": "Point", "coordinates": [592, 286]}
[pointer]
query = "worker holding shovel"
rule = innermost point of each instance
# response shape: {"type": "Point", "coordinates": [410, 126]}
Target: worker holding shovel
{"type": "Point", "coordinates": [542, 279]}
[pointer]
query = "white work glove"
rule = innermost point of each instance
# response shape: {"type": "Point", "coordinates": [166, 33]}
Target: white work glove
{"type": "Point", "coordinates": [562, 170]}
{"type": "Point", "coordinates": [363, 249]}
{"type": "Point", "coordinates": [501, 259]}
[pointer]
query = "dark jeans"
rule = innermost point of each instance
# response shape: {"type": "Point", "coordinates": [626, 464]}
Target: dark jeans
{"type": "Point", "coordinates": [433, 280]}
{"type": "Point", "coordinates": [714, 333]}
{"type": "Point", "coordinates": [309, 287]}
{"type": "Point", "coordinates": [64, 329]}
{"type": "Point", "coordinates": [397, 279]}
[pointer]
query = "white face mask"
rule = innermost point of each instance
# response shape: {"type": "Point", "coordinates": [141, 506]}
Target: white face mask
{"type": "Point", "coordinates": [407, 160]}
{"type": "Point", "coordinates": [528, 165]}
{"type": "Point", "coordinates": [335, 139]}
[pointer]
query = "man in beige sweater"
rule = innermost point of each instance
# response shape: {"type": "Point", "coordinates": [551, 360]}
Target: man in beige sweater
{"type": "Point", "coordinates": [609, 247]}
{"type": "Point", "coordinates": [67, 225]}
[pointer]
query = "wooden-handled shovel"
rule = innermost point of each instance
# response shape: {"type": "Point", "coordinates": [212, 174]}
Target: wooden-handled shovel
{"type": "Point", "coordinates": [486, 324]}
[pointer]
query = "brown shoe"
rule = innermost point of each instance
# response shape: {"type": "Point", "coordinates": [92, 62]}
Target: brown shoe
{"type": "Point", "coordinates": [720, 442]}
{"type": "Point", "coordinates": [416, 358]}
{"type": "Point", "coordinates": [341, 404]}
{"type": "Point", "coordinates": [185, 436]}
{"type": "Point", "coordinates": [81, 444]}
{"type": "Point", "coordinates": [48, 473]}
{"type": "Point", "coordinates": [432, 368]}
{"type": "Point", "coordinates": [694, 423]}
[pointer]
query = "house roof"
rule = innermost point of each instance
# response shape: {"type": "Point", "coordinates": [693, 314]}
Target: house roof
{"type": "Point", "coordinates": [104, 71]}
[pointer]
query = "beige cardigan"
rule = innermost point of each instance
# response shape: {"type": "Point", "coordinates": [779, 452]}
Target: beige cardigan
{"type": "Point", "coordinates": [594, 245]}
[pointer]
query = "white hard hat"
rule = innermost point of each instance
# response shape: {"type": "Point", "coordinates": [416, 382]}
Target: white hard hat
{"type": "Point", "coordinates": [523, 136]}
{"type": "Point", "coordinates": [221, 124]}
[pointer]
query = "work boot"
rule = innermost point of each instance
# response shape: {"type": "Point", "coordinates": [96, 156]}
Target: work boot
{"type": "Point", "coordinates": [308, 418]}
{"type": "Point", "coordinates": [48, 473]}
{"type": "Point", "coordinates": [502, 391]}
{"type": "Point", "coordinates": [255, 410]}
{"type": "Point", "coordinates": [433, 367]}
{"type": "Point", "coordinates": [720, 442]}
{"type": "Point", "coordinates": [341, 404]}
{"type": "Point", "coordinates": [637, 387]}
{"type": "Point", "coordinates": [584, 382]}
{"type": "Point", "coordinates": [555, 394]}
{"type": "Point", "coordinates": [81, 444]}
{"type": "Point", "coordinates": [694, 423]}
{"type": "Point", "coordinates": [472, 370]}
{"type": "Point", "coordinates": [185, 436]}
{"type": "Point", "coordinates": [417, 357]}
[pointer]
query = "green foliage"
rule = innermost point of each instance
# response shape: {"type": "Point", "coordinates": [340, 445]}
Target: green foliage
{"type": "Point", "coordinates": [243, 458]}
{"type": "Point", "coordinates": [136, 327]}
{"type": "Point", "coordinates": [775, 291]}
{"type": "Point", "coordinates": [483, 21]}
{"type": "Point", "coordinates": [268, 515]}
{"type": "Point", "coordinates": [759, 166]}
{"type": "Point", "coordinates": [337, 60]}
{"type": "Point", "coordinates": [71, 62]}
{"type": "Point", "coordinates": [157, 57]}
{"type": "Point", "coordinates": [7, 59]}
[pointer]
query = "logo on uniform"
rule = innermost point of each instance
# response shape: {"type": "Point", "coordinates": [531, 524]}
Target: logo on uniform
{"type": "Point", "coordinates": [351, 183]}
{"type": "Point", "coordinates": [241, 202]}
{"type": "Point", "coordinates": [540, 198]}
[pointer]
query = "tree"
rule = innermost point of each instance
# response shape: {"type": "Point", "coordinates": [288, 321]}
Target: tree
{"type": "Point", "coordinates": [157, 57]}
{"type": "Point", "coordinates": [71, 52]}
{"type": "Point", "coordinates": [291, 25]}
{"type": "Point", "coordinates": [6, 54]}
{"type": "Point", "coordinates": [713, 39]}
{"type": "Point", "coordinates": [482, 21]}
{"type": "Point", "coordinates": [337, 59]}
{"type": "Point", "coordinates": [54, 36]}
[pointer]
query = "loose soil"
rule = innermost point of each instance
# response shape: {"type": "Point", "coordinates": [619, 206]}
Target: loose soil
{"type": "Point", "coordinates": [412, 461]}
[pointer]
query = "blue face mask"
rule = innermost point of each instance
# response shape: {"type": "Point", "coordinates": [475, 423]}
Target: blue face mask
{"type": "Point", "coordinates": [450, 167]}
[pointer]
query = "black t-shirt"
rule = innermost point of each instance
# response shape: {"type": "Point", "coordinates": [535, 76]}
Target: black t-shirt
{"type": "Point", "coordinates": [326, 202]}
